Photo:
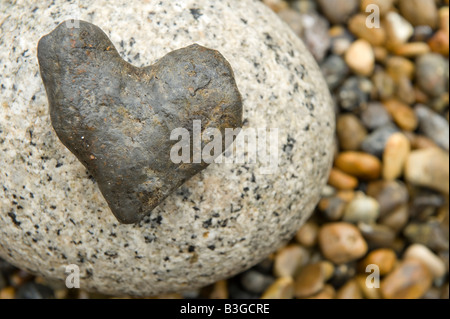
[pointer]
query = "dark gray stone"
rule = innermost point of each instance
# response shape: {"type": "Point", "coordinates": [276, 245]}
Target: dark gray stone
{"type": "Point", "coordinates": [376, 142]}
{"type": "Point", "coordinates": [117, 118]}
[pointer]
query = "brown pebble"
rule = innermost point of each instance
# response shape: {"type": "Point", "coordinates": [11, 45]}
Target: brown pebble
{"type": "Point", "coordinates": [369, 291]}
{"type": "Point", "coordinates": [426, 256]}
{"type": "Point", "coordinates": [332, 208]}
{"type": "Point", "coordinates": [397, 67]}
{"type": "Point", "coordinates": [375, 36]}
{"type": "Point", "coordinates": [7, 293]}
{"type": "Point", "coordinates": [282, 288]}
{"type": "Point", "coordinates": [429, 168]}
{"type": "Point", "coordinates": [439, 43]}
{"type": "Point", "coordinates": [411, 49]}
{"type": "Point", "coordinates": [341, 180]}
{"type": "Point", "coordinates": [403, 115]}
{"type": "Point", "coordinates": [377, 235]}
{"type": "Point", "coordinates": [397, 218]}
{"type": "Point", "coordinates": [350, 290]}
{"type": "Point", "coordinates": [341, 242]}
{"type": "Point", "coordinates": [307, 234]}
{"type": "Point", "coordinates": [358, 164]}
{"type": "Point", "coordinates": [395, 154]}
{"type": "Point", "coordinates": [384, 258]}
{"type": "Point", "coordinates": [419, 12]}
{"type": "Point", "coordinates": [360, 57]}
{"type": "Point", "coordinates": [310, 280]}
{"type": "Point", "coordinates": [389, 194]}
{"type": "Point", "coordinates": [289, 259]}
{"type": "Point", "coordinates": [350, 131]}
{"type": "Point", "coordinates": [410, 280]}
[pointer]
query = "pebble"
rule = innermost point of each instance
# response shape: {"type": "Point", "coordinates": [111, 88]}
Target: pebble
{"type": "Point", "coordinates": [289, 260]}
{"type": "Point", "coordinates": [360, 57]}
{"type": "Point", "coordinates": [255, 282]}
{"type": "Point", "coordinates": [412, 49]}
{"type": "Point", "coordinates": [307, 234]}
{"type": "Point", "coordinates": [282, 288]}
{"type": "Point", "coordinates": [328, 292]}
{"type": "Point", "coordinates": [220, 290]}
{"type": "Point", "coordinates": [429, 168]}
{"type": "Point", "coordinates": [439, 43]}
{"type": "Point", "coordinates": [410, 280]}
{"type": "Point", "coordinates": [377, 235]}
{"type": "Point", "coordinates": [341, 242]}
{"type": "Point", "coordinates": [395, 154]}
{"type": "Point", "coordinates": [334, 69]}
{"type": "Point", "coordinates": [350, 290]}
{"type": "Point", "coordinates": [433, 125]}
{"type": "Point", "coordinates": [310, 280]}
{"type": "Point", "coordinates": [419, 12]}
{"type": "Point", "coordinates": [341, 180]}
{"type": "Point", "coordinates": [384, 85]}
{"type": "Point", "coordinates": [369, 292]}
{"type": "Point", "coordinates": [354, 93]}
{"type": "Point", "coordinates": [332, 208]}
{"type": "Point", "coordinates": [432, 74]}
{"type": "Point", "coordinates": [375, 36]}
{"type": "Point", "coordinates": [375, 116]}
{"type": "Point", "coordinates": [383, 5]}
{"type": "Point", "coordinates": [315, 34]}
{"type": "Point", "coordinates": [397, 218]}
{"type": "Point", "coordinates": [350, 132]}
{"type": "Point", "coordinates": [338, 11]}
{"type": "Point", "coordinates": [384, 258]}
{"type": "Point", "coordinates": [431, 234]}
{"type": "Point", "coordinates": [420, 141]}
{"type": "Point", "coordinates": [398, 67]}
{"type": "Point", "coordinates": [375, 142]}
{"type": "Point", "coordinates": [362, 209]}
{"type": "Point", "coordinates": [429, 258]}
{"type": "Point", "coordinates": [405, 90]}
{"type": "Point", "coordinates": [359, 164]}
{"type": "Point", "coordinates": [403, 115]}
{"type": "Point", "coordinates": [398, 29]}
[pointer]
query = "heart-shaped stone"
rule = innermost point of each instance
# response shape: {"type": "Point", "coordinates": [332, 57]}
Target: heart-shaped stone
{"type": "Point", "coordinates": [117, 118]}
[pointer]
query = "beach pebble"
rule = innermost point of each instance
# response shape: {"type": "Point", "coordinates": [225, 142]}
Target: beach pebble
{"type": "Point", "coordinates": [360, 58]}
{"type": "Point", "coordinates": [338, 11]}
{"type": "Point", "coordinates": [395, 154]}
{"type": "Point", "coordinates": [419, 12]}
{"type": "Point", "coordinates": [289, 260]}
{"type": "Point", "coordinates": [350, 132]}
{"type": "Point", "coordinates": [384, 258]}
{"type": "Point", "coordinates": [361, 209]}
{"type": "Point", "coordinates": [341, 180]}
{"type": "Point", "coordinates": [359, 164]}
{"type": "Point", "coordinates": [426, 256]}
{"type": "Point", "coordinates": [376, 141]}
{"type": "Point", "coordinates": [282, 288]}
{"type": "Point", "coordinates": [403, 115]}
{"type": "Point", "coordinates": [432, 74]}
{"type": "Point", "coordinates": [433, 125]}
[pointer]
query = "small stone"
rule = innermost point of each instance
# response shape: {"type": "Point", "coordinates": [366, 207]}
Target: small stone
{"type": "Point", "coordinates": [341, 242]}
{"type": "Point", "coordinates": [328, 292]}
{"type": "Point", "coordinates": [410, 280]}
{"type": "Point", "coordinates": [338, 11]}
{"type": "Point", "coordinates": [367, 288]}
{"type": "Point", "coordinates": [310, 280]}
{"type": "Point", "coordinates": [350, 290]}
{"type": "Point", "coordinates": [315, 34]}
{"type": "Point", "coordinates": [341, 180]}
{"type": "Point", "coordinates": [341, 39]}
{"type": "Point", "coordinates": [433, 126]}
{"type": "Point", "coordinates": [375, 116]}
{"type": "Point", "coordinates": [354, 93]}
{"type": "Point", "coordinates": [359, 164]}
{"type": "Point", "coordinates": [402, 114]}
{"type": "Point", "coordinates": [255, 282]}
{"type": "Point", "coordinates": [375, 36]}
{"type": "Point", "coordinates": [398, 67]}
{"type": "Point", "coordinates": [360, 57]}
{"type": "Point", "coordinates": [332, 208]}
{"type": "Point", "coordinates": [7, 293]}
{"type": "Point", "coordinates": [405, 91]}
{"type": "Point", "coordinates": [432, 74]}
{"type": "Point", "coordinates": [412, 49]}
{"type": "Point", "coordinates": [398, 29]}
{"type": "Point", "coordinates": [282, 288]}
{"type": "Point", "coordinates": [384, 85]}
{"type": "Point", "coordinates": [350, 131]}
{"type": "Point", "coordinates": [334, 70]}
{"type": "Point", "coordinates": [289, 260]}
{"type": "Point", "coordinates": [427, 257]}
{"type": "Point", "coordinates": [361, 209]}
{"type": "Point", "coordinates": [220, 290]}
{"type": "Point", "coordinates": [383, 5]}
{"type": "Point", "coordinates": [377, 235]}
{"type": "Point", "coordinates": [422, 33]}
{"type": "Point", "coordinates": [428, 168]}
{"type": "Point", "coordinates": [439, 43]}
{"type": "Point", "coordinates": [307, 234]}
{"type": "Point", "coordinates": [375, 143]}
{"type": "Point", "coordinates": [431, 234]}
{"type": "Point", "coordinates": [420, 141]}
{"type": "Point", "coordinates": [397, 218]}
{"type": "Point", "coordinates": [395, 154]}
{"type": "Point", "coordinates": [419, 12]}
{"type": "Point", "coordinates": [384, 258]}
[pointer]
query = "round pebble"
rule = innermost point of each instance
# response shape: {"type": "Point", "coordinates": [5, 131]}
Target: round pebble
{"type": "Point", "coordinates": [360, 57]}
{"type": "Point", "coordinates": [359, 164]}
{"type": "Point", "coordinates": [395, 154]}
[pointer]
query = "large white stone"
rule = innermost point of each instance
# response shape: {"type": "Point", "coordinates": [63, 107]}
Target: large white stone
{"type": "Point", "coordinates": [220, 222]}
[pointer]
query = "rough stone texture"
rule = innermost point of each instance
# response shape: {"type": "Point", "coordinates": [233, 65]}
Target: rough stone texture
{"type": "Point", "coordinates": [224, 219]}
{"type": "Point", "coordinates": [118, 119]}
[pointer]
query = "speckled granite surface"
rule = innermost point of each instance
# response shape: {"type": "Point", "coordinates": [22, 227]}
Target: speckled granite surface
{"type": "Point", "coordinates": [220, 222]}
